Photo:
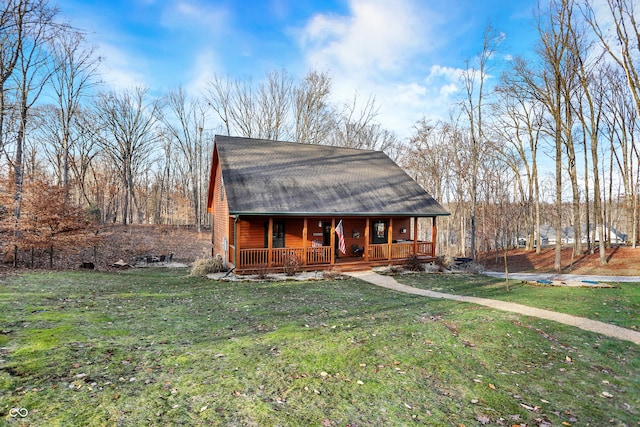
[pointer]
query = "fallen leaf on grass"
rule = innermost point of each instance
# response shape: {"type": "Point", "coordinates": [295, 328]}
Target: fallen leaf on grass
{"type": "Point", "coordinates": [483, 419]}
{"type": "Point", "coordinates": [607, 394]}
{"type": "Point", "coordinates": [492, 387]}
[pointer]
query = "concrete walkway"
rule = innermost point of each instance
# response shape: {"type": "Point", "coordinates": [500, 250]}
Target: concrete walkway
{"type": "Point", "coordinates": [580, 322]}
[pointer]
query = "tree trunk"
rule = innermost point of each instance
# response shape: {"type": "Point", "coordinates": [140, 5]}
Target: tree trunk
{"type": "Point", "coordinates": [557, 264]}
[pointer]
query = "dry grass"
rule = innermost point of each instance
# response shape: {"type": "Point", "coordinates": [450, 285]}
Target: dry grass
{"type": "Point", "coordinates": [203, 266]}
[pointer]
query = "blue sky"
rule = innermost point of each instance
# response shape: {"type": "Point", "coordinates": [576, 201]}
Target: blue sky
{"type": "Point", "coordinates": [406, 53]}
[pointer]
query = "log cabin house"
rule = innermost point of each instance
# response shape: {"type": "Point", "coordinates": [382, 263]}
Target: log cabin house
{"type": "Point", "coordinates": [274, 203]}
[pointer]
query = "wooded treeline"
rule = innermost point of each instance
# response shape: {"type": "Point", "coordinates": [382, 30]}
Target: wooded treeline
{"type": "Point", "coordinates": [546, 138]}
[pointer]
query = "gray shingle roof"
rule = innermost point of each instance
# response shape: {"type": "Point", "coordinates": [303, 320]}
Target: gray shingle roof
{"type": "Point", "coordinates": [288, 178]}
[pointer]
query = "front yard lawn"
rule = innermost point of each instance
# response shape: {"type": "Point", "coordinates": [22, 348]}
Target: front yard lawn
{"type": "Point", "coordinates": [619, 305]}
{"type": "Point", "coordinates": [155, 347]}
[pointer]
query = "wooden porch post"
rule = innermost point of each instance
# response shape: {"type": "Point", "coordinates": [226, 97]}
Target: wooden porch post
{"type": "Point", "coordinates": [304, 241]}
{"type": "Point", "coordinates": [270, 242]}
{"type": "Point", "coordinates": [390, 238]}
{"type": "Point", "coordinates": [434, 235]}
{"type": "Point", "coordinates": [415, 235]}
{"type": "Point", "coordinates": [333, 241]}
{"type": "Point", "coordinates": [366, 240]}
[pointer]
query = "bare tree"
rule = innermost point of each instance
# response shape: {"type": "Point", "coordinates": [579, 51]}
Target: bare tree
{"type": "Point", "coordinates": [218, 95]}
{"type": "Point", "coordinates": [356, 127]}
{"type": "Point", "coordinates": [518, 123]}
{"type": "Point", "coordinates": [274, 101]}
{"type": "Point", "coordinates": [620, 122]}
{"type": "Point", "coordinates": [547, 85]}
{"type": "Point", "coordinates": [431, 159]}
{"type": "Point", "coordinates": [128, 119]}
{"type": "Point", "coordinates": [623, 46]}
{"type": "Point", "coordinates": [30, 79]}
{"type": "Point", "coordinates": [184, 123]}
{"type": "Point", "coordinates": [313, 112]}
{"type": "Point", "coordinates": [84, 151]}
{"type": "Point", "coordinates": [13, 20]}
{"type": "Point", "coordinates": [589, 110]}
{"type": "Point", "coordinates": [264, 112]}
{"type": "Point", "coordinates": [575, 41]}
{"type": "Point", "coordinates": [428, 157]}
{"type": "Point", "coordinates": [74, 69]}
{"type": "Point", "coordinates": [474, 83]}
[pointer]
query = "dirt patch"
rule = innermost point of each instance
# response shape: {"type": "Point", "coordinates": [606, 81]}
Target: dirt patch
{"type": "Point", "coordinates": [119, 242]}
{"type": "Point", "coordinates": [621, 261]}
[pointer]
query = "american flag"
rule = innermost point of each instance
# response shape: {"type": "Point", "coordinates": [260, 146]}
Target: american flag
{"type": "Point", "coordinates": [340, 233]}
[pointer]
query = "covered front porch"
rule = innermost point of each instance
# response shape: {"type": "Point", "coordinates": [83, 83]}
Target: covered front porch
{"type": "Point", "coordinates": [306, 243]}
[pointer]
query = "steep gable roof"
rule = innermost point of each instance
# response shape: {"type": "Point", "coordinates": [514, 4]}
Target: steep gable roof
{"type": "Point", "coordinates": [286, 178]}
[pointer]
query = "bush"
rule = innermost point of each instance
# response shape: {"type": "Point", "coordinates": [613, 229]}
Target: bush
{"type": "Point", "coordinates": [292, 264]}
{"type": "Point", "coordinates": [261, 272]}
{"type": "Point", "coordinates": [413, 263]}
{"type": "Point", "coordinates": [202, 267]}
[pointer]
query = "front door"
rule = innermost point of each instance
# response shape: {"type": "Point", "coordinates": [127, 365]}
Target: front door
{"type": "Point", "coordinates": [379, 233]}
{"type": "Point", "coordinates": [278, 234]}
{"type": "Point", "coordinates": [326, 234]}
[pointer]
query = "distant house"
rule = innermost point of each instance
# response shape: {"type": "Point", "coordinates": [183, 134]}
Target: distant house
{"type": "Point", "coordinates": [276, 202]}
{"type": "Point", "coordinates": [548, 234]}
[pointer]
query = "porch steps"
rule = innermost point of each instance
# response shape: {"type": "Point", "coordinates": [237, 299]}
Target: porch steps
{"type": "Point", "coordinates": [348, 268]}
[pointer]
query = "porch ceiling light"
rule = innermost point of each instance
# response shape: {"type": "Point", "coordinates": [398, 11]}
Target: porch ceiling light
{"type": "Point", "coordinates": [319, 224]}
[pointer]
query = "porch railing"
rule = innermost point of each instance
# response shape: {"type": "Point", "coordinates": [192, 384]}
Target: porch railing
{"type": "Point", "coordinates": [321, 255]}
{"type": "Point", "coordinates": [401, 250]}
{"type": "Point", "coordinates": [425, 248]}
{"type": "Point", "coordinates": [280, 256]}
{"type": "Point", "coordinates": [254, 257]}
{"type": "Point", "coordinates": [378, 252]}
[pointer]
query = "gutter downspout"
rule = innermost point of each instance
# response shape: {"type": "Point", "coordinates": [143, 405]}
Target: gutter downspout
{"type": "Point", "coordinates": [235, 241]}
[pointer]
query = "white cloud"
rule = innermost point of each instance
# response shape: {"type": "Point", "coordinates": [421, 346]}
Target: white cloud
{"type": "Point", "coordinates": [377, 37]}
{"type": "Point", "coordinates": [449, 89]}
{"type": "Point", "coordinates": [201, 72]}
{"type": "Point", "coordinates": [195, 15]}
{"type": "Point", "coordinates": [380, 49]}
{"type": "Point", "coordinates": [117, 71]}
{"type": "Point", "coordinates": [439, 72]}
